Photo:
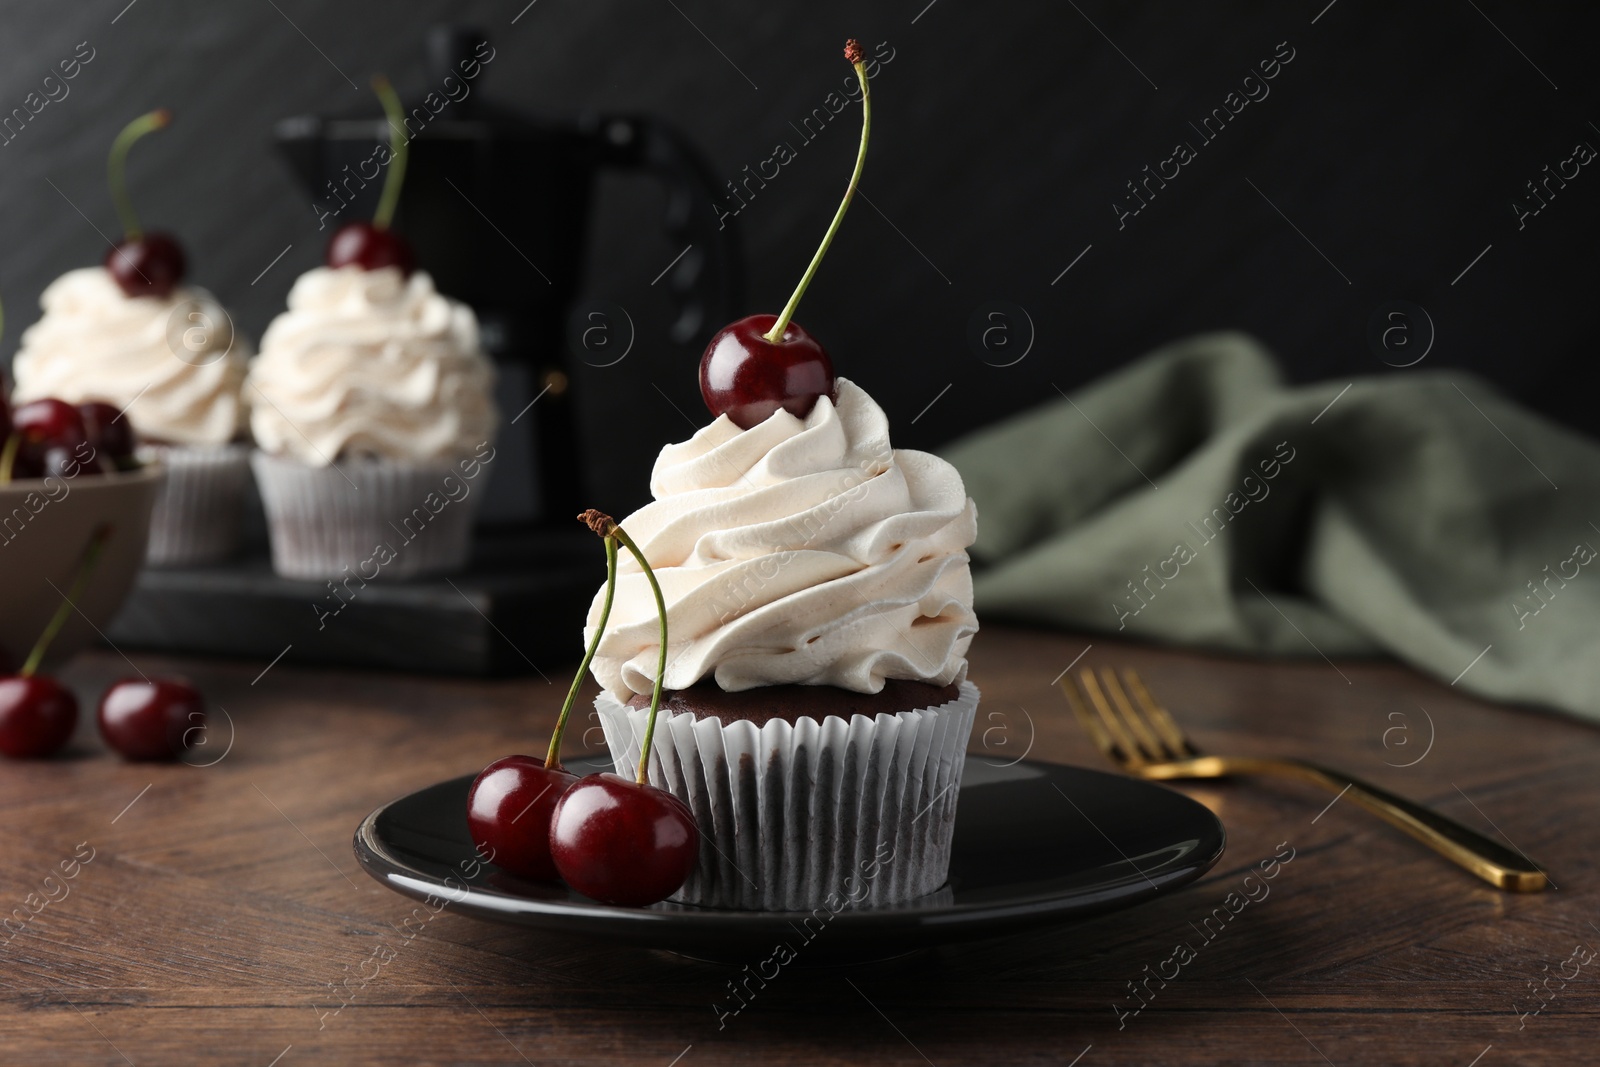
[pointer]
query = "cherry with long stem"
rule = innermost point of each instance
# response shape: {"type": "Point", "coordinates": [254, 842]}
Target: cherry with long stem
{"type": "Point", "coordinates": [142, 264]}
{"type": "Point", "coordinates": [374, 245]}
{"type": "Point", "coordinates": [762, 363]}
{"type": "Point", "coordinates": [510, 804]}
{"type": "Point", "coordinates": [38, 713]}
{"type": "Point", "coordinates": [619, 841]}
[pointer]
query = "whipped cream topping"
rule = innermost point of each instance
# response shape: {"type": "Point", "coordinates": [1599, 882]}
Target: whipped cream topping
{"type": "Point", "coordinates": [174, 362]}
{"type": "Point", "coordinates": [798, 551]}
{"type": "Point", "coordinates": [370, 363]}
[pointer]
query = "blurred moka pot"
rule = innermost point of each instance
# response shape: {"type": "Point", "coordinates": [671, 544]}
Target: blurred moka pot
{"type": "Point", "coordinates": [497, 205]}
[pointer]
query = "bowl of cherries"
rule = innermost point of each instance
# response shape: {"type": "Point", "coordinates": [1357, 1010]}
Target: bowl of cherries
{"type": "Point", "coordinates": [66, 472]}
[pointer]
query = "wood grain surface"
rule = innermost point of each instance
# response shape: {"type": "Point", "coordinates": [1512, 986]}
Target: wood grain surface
{"type": "Point", "coordinates": [216, 914]}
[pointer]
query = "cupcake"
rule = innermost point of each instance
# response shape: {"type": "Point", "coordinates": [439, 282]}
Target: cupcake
{"type": "Point", "coordinates": [372, 406]}
{"type": "Point", "coordinates": [816, 710]}
{"type": "Point", "coordinates": [172, 363]}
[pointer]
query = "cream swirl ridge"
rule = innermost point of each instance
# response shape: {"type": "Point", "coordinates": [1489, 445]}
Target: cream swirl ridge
{"type": "Point", "coordinates": [370, 363]}
{"type": "Point", "coordinates": [174, 362]}
{"type": "Point", "coordinates": [797, 551]}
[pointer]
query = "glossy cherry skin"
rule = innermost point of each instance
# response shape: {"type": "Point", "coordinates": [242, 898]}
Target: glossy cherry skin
{"type": "Point", "coordinates": [747, 377]}
{"type": "Point", "coordinates": [364, 245]}
{"type": "Point", "coordinates": [111, 435]}
{"type": "Point", "coordinates": [37, 716]}
{"type": "Point", "coordinates": [54, 422]}
{"type": "Point", "coordinates": [150, 265]}
{"type": "Point", "coordinates": [508, 814]}
{"type": "Point", "coordinates": [619, 842]}
{"type": "Point", "coordinates": [158, 719]}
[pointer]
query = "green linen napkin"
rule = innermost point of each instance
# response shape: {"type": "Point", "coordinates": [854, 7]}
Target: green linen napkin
{"type": "Point", "coordinates": [1194, 498]}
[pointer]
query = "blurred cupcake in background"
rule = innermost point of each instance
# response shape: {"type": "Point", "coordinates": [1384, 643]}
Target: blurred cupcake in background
{"type": "Point", "coordinates": [131, 335]}
{"type": "Point", "coordinates": [372, 403]}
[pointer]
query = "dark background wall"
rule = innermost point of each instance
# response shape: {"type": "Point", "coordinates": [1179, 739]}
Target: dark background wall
{"type": "Point", "coordinates": [1395, 142]}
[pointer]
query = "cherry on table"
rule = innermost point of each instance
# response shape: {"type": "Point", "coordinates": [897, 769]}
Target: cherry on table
{"type": "Point", "coordinates": [747, 377]}
{"type": "Point", "coordinates": [508, 814]}
{"type": "Point", "coordinates": [37, 715]}
{"type": "Point", "coordinates": [620, 842]}
{"type": "Point", "coordinates": [107, 430]}
{"type": "Point", "coordinates": [151, 264]}
{"type": "Point", "coordinates": [151, 719]}
{"type": "Point", "coordinates": [370, 247]}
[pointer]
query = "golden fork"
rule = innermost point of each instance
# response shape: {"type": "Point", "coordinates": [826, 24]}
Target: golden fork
{"type": "Point", "coordinates": [1145, 741]}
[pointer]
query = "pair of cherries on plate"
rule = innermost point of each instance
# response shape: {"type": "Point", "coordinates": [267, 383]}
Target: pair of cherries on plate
{"type": "Point", "coordinates": [144, 719]}
{"type": "Point", "coordinates": [610, 838]}
{"type": "Point", "coordinates": [613, 839]}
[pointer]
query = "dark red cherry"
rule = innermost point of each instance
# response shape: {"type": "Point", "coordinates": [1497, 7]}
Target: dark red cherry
{"type": "Point", "coordinates": [37, 715]}
{"type": "Point", "coordinates": [62, 462]}
{"type": "Point", "coordinates": [50, 421]}
{"type": "Point", "coordinates": [154, 719]}
{"type": "Point", "coordinates": [107, 430]}
{"type": "Point", "coordinates": [508, 814]}
{"type": "Point", "coordinates": [367, 246]}
{"type": "Point", "coordinates": [619, 842]}
{"type": "Point", "coordinates": [747, 377]}
{"type": "Point", "coordinates": [151, 264]}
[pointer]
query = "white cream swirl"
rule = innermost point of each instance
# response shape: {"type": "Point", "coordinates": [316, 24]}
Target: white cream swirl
{"type": "Point", "coordinates": [370, 363]}
{"type": "Point", "coordinates": [797, 551]}
{"type": "Point", "coordinates": [174, 362]}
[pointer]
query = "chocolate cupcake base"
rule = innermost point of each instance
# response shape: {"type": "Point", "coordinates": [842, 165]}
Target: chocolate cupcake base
{"type": "Point", "coordinates": [799, 812]}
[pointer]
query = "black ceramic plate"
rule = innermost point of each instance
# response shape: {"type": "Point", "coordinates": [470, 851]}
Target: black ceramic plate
{"type": "Point", "coordinates": [1035, 844]}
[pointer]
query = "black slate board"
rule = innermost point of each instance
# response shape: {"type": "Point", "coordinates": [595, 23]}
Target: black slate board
{"type": "Point", "coordinates": [517, 609]}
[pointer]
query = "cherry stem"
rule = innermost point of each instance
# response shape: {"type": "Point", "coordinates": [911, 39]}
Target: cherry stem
{"type": "Point", "coordinates": [607, 527]}
{"type": "Point", "coordinates": [117, 165]}
{"type": "Point", "coordinates": [775, 334]}
{"type": "Point", "coordinates": [80, 579]}
{"type": "Point", "coordinates": [8, 457]}
{"type": "Point", "coordinates": [661, 660]}
{"type": "Point", "coordinates": [553, 759]}
{"type": "Point", "coordinates": [394, 112]}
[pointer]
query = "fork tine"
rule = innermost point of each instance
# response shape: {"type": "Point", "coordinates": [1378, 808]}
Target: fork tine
{"type": "Point", "coordinates": [1133, 755]}
{"type": "Point", "coordinates": [1160, 719]}
{"type": "Point", "coordinates": [1136, 724]}
{"type": "Point", "coordinates": [1092, 725]}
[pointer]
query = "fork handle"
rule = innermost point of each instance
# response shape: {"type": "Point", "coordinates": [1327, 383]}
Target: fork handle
{"type": "Point", "coordinates": [1488, 859]}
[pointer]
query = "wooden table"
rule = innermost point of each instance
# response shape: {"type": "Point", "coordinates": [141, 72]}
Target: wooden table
{"type": "Point", "coordinates": [222, 912]}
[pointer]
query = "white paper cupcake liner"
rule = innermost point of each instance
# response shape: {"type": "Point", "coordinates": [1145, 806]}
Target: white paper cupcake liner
{"type": "Point", "coordinates": [796, 816]}
{"type": "Point", "coordinates": [373, 516]}
{"type": "Point", "coordinates": [199, 506]}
